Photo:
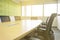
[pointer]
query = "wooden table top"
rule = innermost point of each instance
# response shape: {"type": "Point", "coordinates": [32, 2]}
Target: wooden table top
{"type": "Point", "coordinates": [18, 29]}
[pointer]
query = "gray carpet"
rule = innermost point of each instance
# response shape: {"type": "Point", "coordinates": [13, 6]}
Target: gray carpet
{"type": "Point", "coordinates": [56, 33]}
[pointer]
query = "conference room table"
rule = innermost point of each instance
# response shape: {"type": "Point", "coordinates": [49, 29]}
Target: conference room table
{"type": "Point", "coordinates": [28, 26]}
{"type": "Point", "coordinates": [17, 30]}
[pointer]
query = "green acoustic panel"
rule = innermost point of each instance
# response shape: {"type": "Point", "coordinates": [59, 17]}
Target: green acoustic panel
{"type": "Point", "coordinates": [9, 8]}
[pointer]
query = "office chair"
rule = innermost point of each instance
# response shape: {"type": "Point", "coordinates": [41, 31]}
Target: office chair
{"type": "Point", "coordinates": [5, 18]}
{"type": "Point", "coordinates": [45, 32]}
{"type": "Point", "coordinates": [44, 23]}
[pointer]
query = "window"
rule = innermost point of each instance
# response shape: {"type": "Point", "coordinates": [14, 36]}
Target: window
{"type": "Point", "coordinates": [37, 10]}
{"type": "Point", "coordinates": [28, 10]}
{"type": "Point", "coordinates": [58, 8]}
{"type": "Point", "coordinates": [23, 10]}
{"type": "Point", "coordinates": [32, 10]}
{"type": "Point", "coordinates": [49, 9]}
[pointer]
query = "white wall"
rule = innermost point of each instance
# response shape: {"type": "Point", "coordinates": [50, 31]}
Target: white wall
{"type": "Point", "coordinates": [59, 13]}
{"type": "Point", "coordinates": [59, 22]}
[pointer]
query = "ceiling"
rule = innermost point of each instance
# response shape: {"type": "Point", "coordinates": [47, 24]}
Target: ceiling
{"type": "Point", "coordinates": [31, 2]}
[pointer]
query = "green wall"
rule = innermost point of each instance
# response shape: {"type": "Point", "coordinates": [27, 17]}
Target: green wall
{"type": "Point", "coordinates": [10, 8]}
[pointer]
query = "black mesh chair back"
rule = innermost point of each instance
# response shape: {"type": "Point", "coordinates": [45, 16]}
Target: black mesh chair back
{"type": "Point", "coordinates": [50, 22]}
{"type": "Point", "coordinates": [5, 18]}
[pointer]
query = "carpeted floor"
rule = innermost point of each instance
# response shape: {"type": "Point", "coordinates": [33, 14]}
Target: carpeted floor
{"type": "Point", "coordinates": [56, 34]}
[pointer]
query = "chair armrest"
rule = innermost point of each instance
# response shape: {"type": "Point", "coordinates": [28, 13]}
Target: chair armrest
{"type": "Point", "coordinates": [43, 23]}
